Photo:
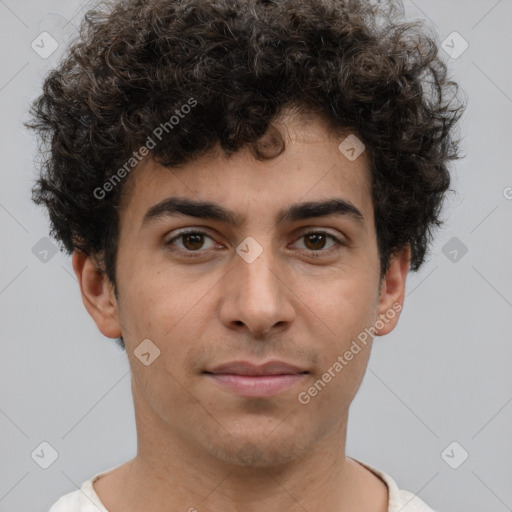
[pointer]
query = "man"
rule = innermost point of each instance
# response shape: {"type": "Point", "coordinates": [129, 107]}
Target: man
{"type": "Point", "coordinates": [244, 186]}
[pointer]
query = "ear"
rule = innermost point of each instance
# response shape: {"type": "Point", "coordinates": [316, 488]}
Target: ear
{"type": "Point", "coordinates": [97, 294]}
{"type": "Point", "coordinates": [392, 292]}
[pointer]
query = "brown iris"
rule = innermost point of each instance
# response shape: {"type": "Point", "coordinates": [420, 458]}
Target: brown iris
{"type": "Point", "coordinates": [317, 239]}
{"type": "Point", "coordinates": [193, 241]}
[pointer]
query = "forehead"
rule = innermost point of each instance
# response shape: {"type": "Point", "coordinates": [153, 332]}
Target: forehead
{"type": "Point", "coordinates": [311, 168]}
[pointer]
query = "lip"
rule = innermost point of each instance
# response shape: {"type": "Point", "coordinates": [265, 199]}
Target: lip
{"type": "Point", "coordinates": [249, 380]}
{"type": "Point", "coordinates": [245, 368]}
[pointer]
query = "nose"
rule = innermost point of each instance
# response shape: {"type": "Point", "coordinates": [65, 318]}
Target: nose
{"type": "Point", "coordinates": [257, 296]}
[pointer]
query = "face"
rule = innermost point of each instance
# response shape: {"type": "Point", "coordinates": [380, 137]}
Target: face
{"type": "Point", "coordinates": [257, 276]}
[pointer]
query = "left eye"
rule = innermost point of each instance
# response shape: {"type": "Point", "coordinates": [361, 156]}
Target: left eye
{"type": "Point", "coordinates": [315, 241]}
{"type": "Point", "coordinates": [192, 239]}
{"type": "Point", "coordinates": [316, 238]}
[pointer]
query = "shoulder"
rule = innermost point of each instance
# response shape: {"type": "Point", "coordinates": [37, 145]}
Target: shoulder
{"type": "Point", "coordinates": [78, 501]}
{"type": "Point", "coordinates": [84, 499]}
{"type": "Point", "coordinates": [408, 502]}
{"type": "Point", "coordinates": [399, 500]}
{"type": "Point", "coordinates": [70, 502]}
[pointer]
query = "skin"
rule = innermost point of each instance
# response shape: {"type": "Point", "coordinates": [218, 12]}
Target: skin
{"type": "Point", "coordinates": [201, 447]}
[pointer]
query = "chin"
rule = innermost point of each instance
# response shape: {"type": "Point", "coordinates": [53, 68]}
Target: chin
{"type": "Point", "coordinates": [251, 452]}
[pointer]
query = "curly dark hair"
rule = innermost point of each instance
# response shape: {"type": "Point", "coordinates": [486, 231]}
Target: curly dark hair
{"type": "Point", "coordinates": [136, 63]}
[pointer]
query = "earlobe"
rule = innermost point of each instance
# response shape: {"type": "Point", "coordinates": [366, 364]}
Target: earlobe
{"type": "Point", "coordinates": [392, 292]}
{"type": "Point", "coordinates": [97, 294]}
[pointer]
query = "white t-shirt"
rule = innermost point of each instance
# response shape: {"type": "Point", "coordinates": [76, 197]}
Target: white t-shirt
{"type": "Point", "coordinates": [85, 499]}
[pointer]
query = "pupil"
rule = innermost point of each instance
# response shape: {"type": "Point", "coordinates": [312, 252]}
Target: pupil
{"type": "Point", "coordinates": [317, 238]}
{"type": "Point", "coordinates": [197, 241]}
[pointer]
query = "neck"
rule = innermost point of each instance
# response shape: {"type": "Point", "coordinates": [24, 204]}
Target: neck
{"type": "Point", "coordinates": [171, 473]}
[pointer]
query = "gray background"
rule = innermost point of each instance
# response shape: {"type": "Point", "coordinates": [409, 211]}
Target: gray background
{"type": "Point", "coordinates": [442, 376]}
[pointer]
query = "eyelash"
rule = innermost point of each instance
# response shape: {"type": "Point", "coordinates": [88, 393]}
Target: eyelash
{"type": "Point", "coordinates": [198, 253]}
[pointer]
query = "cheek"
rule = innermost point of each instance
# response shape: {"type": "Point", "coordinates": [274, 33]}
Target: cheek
{"type": "Point", "coordinates": [329, 394]}
{"type": "Point", "coordinates": [172, 313]}
{"type": "Point", "coordinates": [153, 296]}
{"type": "Point", "coordinates": [339, 318]}
{"type": "Point", "coordinates": [346, 304]}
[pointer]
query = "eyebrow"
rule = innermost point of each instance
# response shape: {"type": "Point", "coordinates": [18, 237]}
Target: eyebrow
{"type": "Point", "coordinates": [176, 206]}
